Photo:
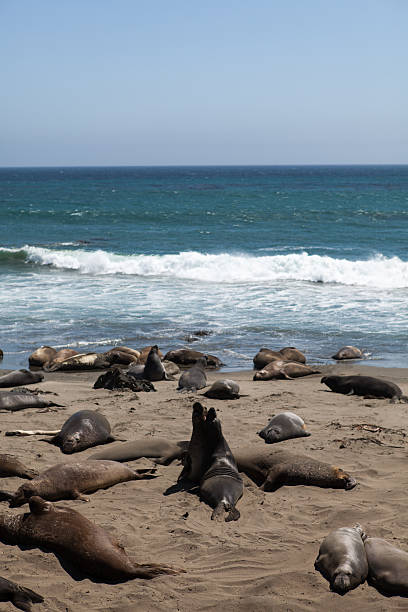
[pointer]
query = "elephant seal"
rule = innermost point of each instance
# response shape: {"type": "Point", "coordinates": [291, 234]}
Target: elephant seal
{"type": "Point", "coordinates": [12, 466]}
{"type": "Point", "coordinates": [17, 378]}
{"type": "Point", "coordinates": [283, 426]}
{"type": "Point", "coordinates": [342, 559]}
{"type": "Point", "coordinates": [162, 451]}
{"type": "Point", "coordinates": [223, 389]}
{"type": "Point", "coordinates": [271, 469]}
{"type": "Point", "coordinates": [74, 538]}
{"type": "Point", "coordinates": [284, 369]}
{"type": "Point", "coordinates": [41, 356]}
{"type": "Point", "coordinates": [368, 386]}
{"type": "Point", "coordinates": [221, 485]}
{"type": "Point", "coordinates": [70, 480]}
{"type": "Point", "coordinates": [186, 357]}
{"type": "Point", "coordinates": [14, 401]}
{"type": "Point", "coordinates": [82, 430]}
{"type": "Point", "coordinates": [387, 567]}
{"type": "Point", "coordinates": [19, 596]}
{"type": "Point", "coordinates": [348, 352]}
{"type": "Point", "coordinates": [82, 361]}
{"type": "Point", "coordinates": [195, 378]}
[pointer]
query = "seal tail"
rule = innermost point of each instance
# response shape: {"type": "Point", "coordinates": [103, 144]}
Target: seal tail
{"type": "Point", "coordinates": [25, 597]}
{"type": "Point", "coordinates": [223, 506]}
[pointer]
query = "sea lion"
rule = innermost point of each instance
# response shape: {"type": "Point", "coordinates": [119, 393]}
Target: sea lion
{"type": "Point", "coordinates": [19, 401]}
{"type": "Point", "coordinates": [82, 361]}
{"type": "Point", "coordinates": [195, 378]}
{"type": "Point", "coordinates": [368, 386]}
{"type": "Point", "coordinates": [283, 426]}
{"type": "Point", "coordinates": [162, 451]}
{"type": "Point", "coordinates": [387, 567]}
{"type": "Point", "coordinates": [71, 480]}
{"type": "Point", "coordinates": [342, 559]}
{"type": "Point", "coordinates": [348, 352]}
{"type": "Point", "coordinates": [19, 596]}
{"type": "Point", "coordinates": [82, 430]}
{"type": "Point", "coordinates": [185, 357]}
{"type": "Point", "coordinates": [17, 378]}
{"type": "Point", "coordinates": [68, 534]}
{"type": "Point", "coordinates": [284, 369]}
{"type": "Point", "coordinates": [221, 485]}
{"type": "Point", "coordinates": [41, 355]}
{"type": "Point", "coordinates": [223, 389]}
{"type": "Point", "coordinates": [12, 466]}
{"type": "Point", "coordinates": [271, 469]}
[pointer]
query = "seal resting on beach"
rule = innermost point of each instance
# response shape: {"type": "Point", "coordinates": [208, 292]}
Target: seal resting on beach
{"type": "Point", "coordinates": [223, 389]}
{"type": "Point", "coordinates": [284, 369]}
{"type": "Point", "coordinates": [185, 357]}
{"type": "Point", "coordinates": [18, 595]}
{"type": "Point", "coordinates": [71, 480]}
{"type": "Point", "coordinates": [80, 362]}
{"type": "Point", "coordinates": [82, 430]}
{"type": "Point", "coordinates": [74, 538]}
{"type": "Point", "coordinates": [12, 466]}
{"type": "Point", "coordinates": [367, 386]}
{"type": "Point", "coordinates": [161, 450]}
{"type": "Point", "coordinates": [387, 567]}
{"type": "Point", "coordinates": [195, 378]}
{"type": "Point", "coordinates": [342, 559]}
{"type": "Point", "coordinates": [271, 469]}
{"type": "Point", "coordinates": [14, 401]}
{"type": "Point", "coordinates": [283, 426]}
{"type": "Point", "coordinates": [348, 352]}
{"type": "Point", "coordinates": [41, 356]}
{"type": "Point", "coordinates": [17, 378]}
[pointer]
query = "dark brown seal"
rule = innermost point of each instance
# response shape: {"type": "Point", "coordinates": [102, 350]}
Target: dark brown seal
{"type": "Point", "coordinates": [387, 567]}
{"type": "Point", "coordinates": [68, 534]}
{"type": "Point", "coordinates": [12, 466]}
{"type": "Point", "coordinates": [17, 378]}
{"type": "Point", "coordinates": [342, 559]}
{"type": "Point", "coordinates": [18, 595]}
{"type": "Point", "coordinates": [82, 430]}
{"type": "Point", "coordinates": [367, 386]}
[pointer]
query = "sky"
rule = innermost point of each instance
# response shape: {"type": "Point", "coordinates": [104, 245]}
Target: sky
{"type": "Point", "coordinates": [186, 82]}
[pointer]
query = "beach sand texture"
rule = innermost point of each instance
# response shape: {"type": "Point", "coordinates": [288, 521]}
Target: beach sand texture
{"type": "Point", "coordinates": [264, 561]}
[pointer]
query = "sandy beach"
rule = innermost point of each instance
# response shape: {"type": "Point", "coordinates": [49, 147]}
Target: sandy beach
{"type": "Point", "coordinates": [264, 561]}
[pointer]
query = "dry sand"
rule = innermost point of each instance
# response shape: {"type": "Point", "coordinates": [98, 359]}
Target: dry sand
{"type": "Point", "coordinates": [264, 561]}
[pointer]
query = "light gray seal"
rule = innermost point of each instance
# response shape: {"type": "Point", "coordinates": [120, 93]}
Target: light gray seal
{"type": "Point", "coordinates": [283, 426]}
{"type": "Point", "coordinates": [14, 401]}
{"type": "Point", "coordinates": [342, 559]}
{"type": "Point", "coordinates": [67, 533]}
{"type": "Point", "coordinates": [82, 430]}
{"type": "Point", "coordinates": [223, 389]}
{"type": "Point", "coordinates": [161, 450]}
{"type": "Point", "coordinates": [17, 378]}
{"type": "Point", "coordinates": [387, 567]}
{"type": "Point", "coordinates": [367, 386]}
{"type": "Point", "coordinates": [348, 352]}
{"type": "Point", "coordinates": [195, 378]}
{"type": "Point", "coordinates": [19, 596]}
{"type": "Point", "coordinates": [12, 466]}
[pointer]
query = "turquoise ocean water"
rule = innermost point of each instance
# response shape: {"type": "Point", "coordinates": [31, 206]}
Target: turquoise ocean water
{"type": "Point", "coordinates": [311, 256]}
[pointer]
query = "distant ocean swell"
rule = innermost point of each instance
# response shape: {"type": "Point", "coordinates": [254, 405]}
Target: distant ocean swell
{"type": "Point", "coordinates": [377, 272]}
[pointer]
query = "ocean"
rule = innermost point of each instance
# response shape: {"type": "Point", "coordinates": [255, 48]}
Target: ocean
{"type": "Point", "coordinates": [309, 256]}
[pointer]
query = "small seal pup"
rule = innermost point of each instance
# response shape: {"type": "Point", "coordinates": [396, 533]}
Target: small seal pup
{"type": "Point", "coordinates": [367, 386]}
{"type": "Point", "coordinates": [71, 480]}
{"type": "Point", "coordinates": [67, 533]}
{"type": "Point", "coordinates": [387, 567]}
{"type": "Point", "coordinates": [348, 352]}
{"type": "Point", "coordinates": [342, 559]}
{"type": "Point", "coordinates": [223, 389]}
{"type": "Point", "coordinates": [18, 595]}
{"type": "Point", "coordinates": [283, 426]}
{"type": "Point", "coordinates": [195, 378]}
{"type": "Point", "coordinates": [19, 401]}
{"type": "Point", "coordinates": [12, 466]}
{"type": "Point", "coordinates": [82, 430]}
{"type": "Point", "coordinates": [17, 378]}
{"type": "Point", "coordinates": [284, 369]}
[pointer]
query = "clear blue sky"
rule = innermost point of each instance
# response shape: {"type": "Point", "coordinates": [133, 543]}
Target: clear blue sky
{"type": "Point", "coordinates": [147, 82]}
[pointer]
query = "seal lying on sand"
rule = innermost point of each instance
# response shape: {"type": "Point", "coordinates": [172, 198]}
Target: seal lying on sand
{"type": "Point", "coordinates": [20, 596]}
{"type": "Point", "coordinates": [82, 430]}
{"type": "Point", "coordinates": [19, 401]}
{"type": "Point", "coordinates": [162, 451]}
{"type": "Point", "coordinates": [271, 469]}
{"type": "Point", "coordinates": [284, 369]}
{"type": "Point", "coordinates": [195, 378]}
{"type": "Point", "coordinates": [283, 426]}
{"type": "Point", "coordinates": [223, 389]}
{"type": "Point", "coordinates": [387, 567]}
{"type": "Point", "coordinates": [70, 480]}
{"type": "Point", "coordinates": [368, 386]}
{"type": "Point", "coordinates": [12, 466]}
{"type": "Point", "coordinates": [348, 352]}
{"type": "Point", "coordinates": [17, 378]}
{"type": "Point", "coordinates": [342, 559]}
{"type": "Point", "coordinates": [69, 534]}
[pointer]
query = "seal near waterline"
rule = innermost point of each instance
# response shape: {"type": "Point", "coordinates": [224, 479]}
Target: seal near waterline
{"type": "Point", "coordinates": [186, 357]}
{"type": "Point", "coordinates": [223, 389]}
{"type": "Point", "coordinates": [342, 559]}
{"type": "Point", "coordinates": [19, 596]}
{"type": "Point", "coordinates": [12, 466]}
{"type": "Point", "coordinates": [71, 480]}
{"type": "Point", "coordinates": [195, 378]}
{"type": "Point", "coordinates": [76, 540]}
{"type": "Point", "coordinates": [41, 356]}
{"type": "Point", "coordinates": [17, 378]}
{"type": "Point", "coordinates": [348, 352]}
{"type": "Point", "coordinates": [221, 485]}
{"type": "Point", "coordinates": [284, 369]}
{"type": "Point", "coordinates": [283, 426]}
{"type": "Point", "coordinates": [14, 401]}
{"type": "Point", "coordinates": [367, 386]}
{"type": "Point", "coordinates": [160, 450]}
{"type": "Point", "coordinates": [387, 567]}
{"type": "Point", "coordinates": [271, 469]}
{"type": "Point", "coordinates": [82, 430]}
{"type": "Point", "coordinates": [82, 361]}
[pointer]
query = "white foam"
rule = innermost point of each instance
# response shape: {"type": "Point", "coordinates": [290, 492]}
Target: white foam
{"type": "Point", "coordinates": [379, 271]}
